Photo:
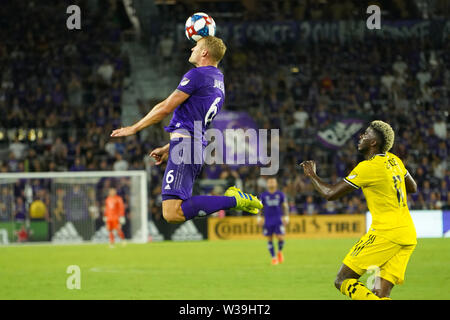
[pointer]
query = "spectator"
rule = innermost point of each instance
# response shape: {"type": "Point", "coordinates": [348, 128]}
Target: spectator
{"type": "Point", "coordinates": [309, 207]}
{"type": "Point", "coordinates": [120, 164]}
{"type": "Point", "coordinates": [59, 149]}
{"type": "Point", "coordinates": [20, 212]}
{"type": "Point", "coordinates": [424, 77]}
{"type": "Point", "coordinates": [387, 80]}
{"type": "Point", "coordinates": [18, 149]}
{"type": "Point", "coordinates": [330, 207]}
{"type": "Point", "coordinates": [440, 128]}
{"type": "Point", "coordinates": [13, 163]}
{"type": "Point", "coordinates": [400, 66]}
{"type": "Point", "coordinates": [78, 165]}
{"type": "Point", "coordinates": [76, 204]}
{"type": "Point", "coordinates": [75, 91]}
{"type": "Point", "coordinates": [301, 117]}
{"type": "Point", "coordinates": [105, 71]}
{"type": "Point", "coordinates": [166, 46]}
{"type": "Point", "coordinates": [6, 204]}
{"type": "Point", "coordinates": [38, 210]}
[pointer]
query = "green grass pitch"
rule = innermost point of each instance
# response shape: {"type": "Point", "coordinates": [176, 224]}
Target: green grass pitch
{"type": "Point", "coordinates": [229, 270]}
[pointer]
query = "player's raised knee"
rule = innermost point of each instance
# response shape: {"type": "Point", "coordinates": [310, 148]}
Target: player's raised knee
{"type": "Point", "coordinates": [172, 212]}
{"type": "Point", "coordinates": [172, 215]}
{"type": "Point", "coordinates": [170, 218]}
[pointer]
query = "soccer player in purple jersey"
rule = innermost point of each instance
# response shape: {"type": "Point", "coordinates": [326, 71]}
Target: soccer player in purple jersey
{"type": "Point", "coordinates": [195, 103]}
{"type": "Point", "coordinates": [276, 216]}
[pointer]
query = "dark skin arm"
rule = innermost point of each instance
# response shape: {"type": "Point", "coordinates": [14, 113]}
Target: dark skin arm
{"type": "Point", "coordinates": [327, 191]}
{"type": "Point", "coordinates": [410, 184]}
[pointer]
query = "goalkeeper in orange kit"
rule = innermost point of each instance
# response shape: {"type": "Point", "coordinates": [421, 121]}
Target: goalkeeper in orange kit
{"type": "Point", "coordinates": [114, 215]}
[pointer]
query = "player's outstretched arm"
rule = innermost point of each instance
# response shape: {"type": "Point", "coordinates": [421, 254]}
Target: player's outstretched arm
{"type": "Point", "coordinates": [327, 191]}
{"type": "Point", "coordinates": [160, 154]}
{"type": "Point", "coordinates": [158, 113]}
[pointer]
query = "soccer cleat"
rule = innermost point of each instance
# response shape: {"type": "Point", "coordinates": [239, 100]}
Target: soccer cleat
{"type": "Point", "coordinates": [280, 257]}
{"type": "Point", "coordinates": [244, 201]}
{"type": "Point", "coordinates": [274, 261]}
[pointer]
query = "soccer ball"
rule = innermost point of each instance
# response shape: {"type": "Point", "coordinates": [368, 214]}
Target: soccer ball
{"type": "Point", "coordinates": [199, 25]}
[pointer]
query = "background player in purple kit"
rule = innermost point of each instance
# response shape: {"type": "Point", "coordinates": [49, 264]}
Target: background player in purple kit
{"type": "Point", "coordinates": [276, 216]}
{"type": "Point", "coordinates": [195, 103]}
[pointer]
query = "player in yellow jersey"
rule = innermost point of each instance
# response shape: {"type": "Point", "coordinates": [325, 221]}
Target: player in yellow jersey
{"type": "Point", "coordinates": [391, 238]}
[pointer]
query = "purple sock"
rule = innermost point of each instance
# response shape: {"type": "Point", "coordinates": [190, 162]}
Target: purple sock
{"type": "Point", "coordinates": [271, 249]}
{"type": "Point", "coordinates": [280, 245]}
{"type": "Point", "coordinates": [205, 205]}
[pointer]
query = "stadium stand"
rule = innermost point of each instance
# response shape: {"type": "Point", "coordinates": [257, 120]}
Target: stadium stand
{"type": "Point", "coordinates": [60, 100]}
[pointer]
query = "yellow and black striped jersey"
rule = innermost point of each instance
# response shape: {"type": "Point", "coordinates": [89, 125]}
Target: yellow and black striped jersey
{"type": "Point", "coordinates": [382, 180]}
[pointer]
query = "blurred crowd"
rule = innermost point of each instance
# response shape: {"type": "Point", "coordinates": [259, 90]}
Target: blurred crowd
{"type": "Point", "coordinates": [60, 96]}
{"type": "Point", "coordinates": [268, 10]}
{"type": "Point", "coordinates": [61, 91]}
{"type": "Point", "coordinates": [405, 84]}
{"type": "Point", "coordinates": [302, 88]}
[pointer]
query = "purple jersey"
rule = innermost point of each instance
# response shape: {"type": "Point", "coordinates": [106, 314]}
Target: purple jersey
{"type": "Point", "coordinates": [207, 92]}
{"type": "Point", "coordinates": [273, 207]}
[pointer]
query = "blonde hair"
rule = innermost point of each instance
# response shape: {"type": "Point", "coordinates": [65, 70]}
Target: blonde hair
{"type": "Point", "coordinates": [215, 46]}
{"type": "Point", "coordinates": [386, 134]}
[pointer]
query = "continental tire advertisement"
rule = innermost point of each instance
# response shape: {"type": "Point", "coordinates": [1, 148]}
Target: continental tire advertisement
{"type": "Point", "coordinates": [319, 226]}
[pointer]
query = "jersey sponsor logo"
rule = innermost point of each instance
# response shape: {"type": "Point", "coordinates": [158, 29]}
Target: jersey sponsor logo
{"type": "Point", "coordinates": [353, 176]}
{"type": "Point", "coordinates": [272, 202]}
{"type": "Point", "coordinates": [184, 82]}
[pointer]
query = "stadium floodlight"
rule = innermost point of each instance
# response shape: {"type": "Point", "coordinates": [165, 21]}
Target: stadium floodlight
{"type": "Point", "coordinates": [72, 205]}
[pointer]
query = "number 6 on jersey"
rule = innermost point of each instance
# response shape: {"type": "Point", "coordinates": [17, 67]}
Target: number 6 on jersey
{"type": "Point", "coordinates": [212, 111]}
{"type": "Point", "coordinates": [169, 179]}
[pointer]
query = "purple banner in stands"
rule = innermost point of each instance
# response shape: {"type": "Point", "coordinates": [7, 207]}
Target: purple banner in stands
{"type": "Point", "coordinates": [240, 138]}
{"type": "Point", "coordinates": [340, 132]}
{"type": "Point", "coordinates": [330, 31]}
